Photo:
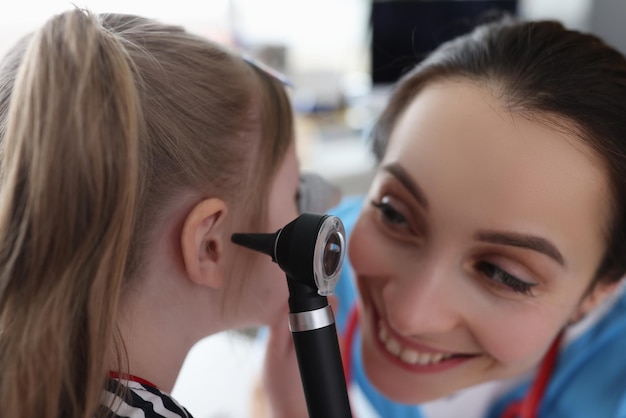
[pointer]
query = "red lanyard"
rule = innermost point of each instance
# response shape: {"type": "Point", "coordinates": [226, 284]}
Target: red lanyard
{"type": "Point", "coordinates": [348, 342]}
{"type": "Point", "coordinates": [527, 407]}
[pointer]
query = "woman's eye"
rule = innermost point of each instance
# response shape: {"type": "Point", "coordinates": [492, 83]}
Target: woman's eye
{"type": "Point", "coordinates": [389, 212]}
{"type": "Point", "coordinates": [497, 274]}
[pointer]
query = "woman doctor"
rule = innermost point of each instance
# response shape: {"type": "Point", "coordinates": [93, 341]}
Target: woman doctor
{"type": "Point", "coordinates": [495, 222]}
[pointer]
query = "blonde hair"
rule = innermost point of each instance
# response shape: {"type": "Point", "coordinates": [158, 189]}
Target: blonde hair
{"type": "Point", "coordinates": [104, 121]}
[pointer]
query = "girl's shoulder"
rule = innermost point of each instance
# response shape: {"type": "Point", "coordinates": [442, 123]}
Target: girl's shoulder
{"type": "Point", "coordinates": [129, 398]}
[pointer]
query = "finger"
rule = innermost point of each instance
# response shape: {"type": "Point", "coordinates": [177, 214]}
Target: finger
{"type": "Point", "coordinates": [334, 302]}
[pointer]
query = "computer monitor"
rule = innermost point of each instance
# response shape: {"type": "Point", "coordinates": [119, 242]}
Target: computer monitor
{"type": "Point", "coordinates": [404, 32]}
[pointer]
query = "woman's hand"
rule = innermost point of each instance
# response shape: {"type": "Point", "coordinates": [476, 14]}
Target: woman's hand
{"type": "Point", "coordinates": [279, 393]}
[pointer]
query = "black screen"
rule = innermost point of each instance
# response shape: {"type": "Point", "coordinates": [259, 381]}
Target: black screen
{"type": "Point", "coordinates": [403, 32]}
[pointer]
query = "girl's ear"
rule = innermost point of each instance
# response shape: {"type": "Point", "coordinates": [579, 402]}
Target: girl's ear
{"type": "Point", "coordinates": [600, 293]}
{"type": "Point", "coordinates": [202, 239]}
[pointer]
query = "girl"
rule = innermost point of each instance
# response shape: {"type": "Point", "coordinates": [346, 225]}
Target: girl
{"type": "Point", "coordinates": [131, 152]}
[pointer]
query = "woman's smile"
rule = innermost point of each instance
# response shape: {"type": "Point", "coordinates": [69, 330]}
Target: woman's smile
{"type": "Point", "coordinates": [420, 358]}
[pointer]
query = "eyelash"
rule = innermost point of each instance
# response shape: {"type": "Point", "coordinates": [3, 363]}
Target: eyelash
{"type": "Point", "coordinates": [496, 273]}
{"type": "Point", "coordinates": [388, 212]}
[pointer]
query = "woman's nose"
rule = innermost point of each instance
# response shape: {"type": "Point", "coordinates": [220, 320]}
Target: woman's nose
{"type": "Point", "coordinates": [425, 301]}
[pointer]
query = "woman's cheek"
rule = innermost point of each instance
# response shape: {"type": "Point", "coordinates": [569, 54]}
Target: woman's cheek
{"type": "Point", "coordinates": [366, 250]}
{"type": "Point", "coordinates": [517, 336]}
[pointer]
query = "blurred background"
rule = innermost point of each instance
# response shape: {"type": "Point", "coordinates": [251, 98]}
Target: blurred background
{"type": "Point", "coordinates": [342, 57]}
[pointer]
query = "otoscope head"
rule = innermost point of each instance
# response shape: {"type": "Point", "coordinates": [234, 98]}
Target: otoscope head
{"type": "Point", "coordinates": [310, 249]}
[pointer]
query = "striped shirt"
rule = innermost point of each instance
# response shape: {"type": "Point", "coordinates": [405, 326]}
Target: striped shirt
{"type": "Point", "coordinates": [132, 399]}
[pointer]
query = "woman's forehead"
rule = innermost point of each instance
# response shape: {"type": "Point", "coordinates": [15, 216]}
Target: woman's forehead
{"type": "Point", "coordinates": [467, 124]}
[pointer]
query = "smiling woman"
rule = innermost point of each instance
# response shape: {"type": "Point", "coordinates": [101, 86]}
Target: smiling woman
{"type": "Point", "coordinates": [495, 221]}
{"type": "Point", "coordinates": [463, 271]}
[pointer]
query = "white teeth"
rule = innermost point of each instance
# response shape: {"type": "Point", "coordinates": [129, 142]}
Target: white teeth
{"type": "Point", "coordinates": [382, 333]}
{"type": "Point", "coordinates": [424, 359]}
{"type": "Point", "coordinates": [407, 355]}
{"type": "Point", "coordinates": [393, 346]}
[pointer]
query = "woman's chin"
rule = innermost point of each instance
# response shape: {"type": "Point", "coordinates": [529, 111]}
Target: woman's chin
{"type": "Point", "coordinates": [404, 395]}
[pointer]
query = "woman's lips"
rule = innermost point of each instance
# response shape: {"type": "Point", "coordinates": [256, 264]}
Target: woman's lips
{"type": "Point", "coordinates": [408, 354]}
{"type": "Point", "coordinates": [416, 357]}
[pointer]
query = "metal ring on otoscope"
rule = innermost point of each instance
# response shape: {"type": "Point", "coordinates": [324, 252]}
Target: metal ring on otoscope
{"type": "Point", "coordinates": [310, 320]}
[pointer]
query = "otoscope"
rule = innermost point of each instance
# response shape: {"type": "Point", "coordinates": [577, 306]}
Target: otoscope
{"type": "Point", "coordinates": [310, 250]}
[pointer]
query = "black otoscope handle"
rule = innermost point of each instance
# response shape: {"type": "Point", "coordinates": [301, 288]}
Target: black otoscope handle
{"type": "Point", "coordinates": [310, 251]}
{"type": "Point", "coordinates": [319, 360]}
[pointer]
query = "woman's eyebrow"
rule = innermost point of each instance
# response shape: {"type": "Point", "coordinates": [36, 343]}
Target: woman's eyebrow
{"type": "Point", "coordinates": [531, 242]}
{"type": "Point", "coordinates": [403, 177]}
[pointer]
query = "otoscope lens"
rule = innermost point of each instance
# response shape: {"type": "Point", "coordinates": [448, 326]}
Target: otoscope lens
{"type": "Point", "coordinates": [328, 254]}
{"type": "Point", "coordinates": [332, 254]}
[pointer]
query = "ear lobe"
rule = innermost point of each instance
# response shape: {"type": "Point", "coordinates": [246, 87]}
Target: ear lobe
{"type": "Point", "coordinates": [598, 294]}
{"type": "Point", "coordinates": [201, 242]}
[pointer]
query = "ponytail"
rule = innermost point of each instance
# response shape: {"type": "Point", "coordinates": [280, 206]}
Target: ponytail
{"type": "Point", "coordinates": [67, 206]}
